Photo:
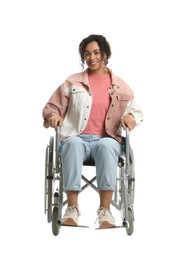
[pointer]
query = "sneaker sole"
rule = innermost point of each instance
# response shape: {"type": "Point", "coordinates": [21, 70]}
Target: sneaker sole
{"type": "Point", "coordinates": [69, 222]}
{"type": "Point", "coordinates": [106, 224]}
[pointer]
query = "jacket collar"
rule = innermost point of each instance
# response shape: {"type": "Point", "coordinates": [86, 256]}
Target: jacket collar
{"type": "Point", "coordinates": [83, 77]}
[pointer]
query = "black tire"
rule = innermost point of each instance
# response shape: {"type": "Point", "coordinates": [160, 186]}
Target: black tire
{"type": "Point", "coordinates": [131, 194]}
{"type": "Point", "coordinates": [55, 227]}
{"type": "Point", "coordinates": [130, 229]}
{"type": "Point", "coordinates": [50, 178]}
{"type": "Point", "coordinates": [131, 188]}
{"type": "Point", "coordinates": [45, 184]}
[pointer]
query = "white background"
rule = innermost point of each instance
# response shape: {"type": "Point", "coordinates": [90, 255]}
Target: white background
{"type": "Point", "coordinates": [38, 50]}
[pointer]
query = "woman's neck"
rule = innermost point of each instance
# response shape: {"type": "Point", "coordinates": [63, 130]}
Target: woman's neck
{"type": "Point", "coordinates": [100, 72]}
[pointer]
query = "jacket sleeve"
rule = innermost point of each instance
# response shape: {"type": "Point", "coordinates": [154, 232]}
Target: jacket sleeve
{"type": "Point", "coordinates": [134, 109]}
{"type": "Point", "coordinates": [58, 103]}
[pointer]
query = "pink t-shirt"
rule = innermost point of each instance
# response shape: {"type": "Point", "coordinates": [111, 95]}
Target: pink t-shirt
{"type": "Point", "coordinates": [101, 101]}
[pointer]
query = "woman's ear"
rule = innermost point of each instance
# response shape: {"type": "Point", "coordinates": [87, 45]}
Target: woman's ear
{"type": "Point", "coordinates": [104, 56]}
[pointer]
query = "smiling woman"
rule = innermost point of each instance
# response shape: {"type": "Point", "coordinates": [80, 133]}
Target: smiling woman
{"type": "Point", "coordinates": [94, 46]}
{"type": "Point", "coordinates": [91, 107]}
{"type": "Point", "coordinates": [39, 47]}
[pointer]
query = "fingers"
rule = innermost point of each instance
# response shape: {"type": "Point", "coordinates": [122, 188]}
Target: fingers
{"type": "Point", "coordinates": [128, 121]}
{"type": "Point", "coordinates": [53, 122]}
{"type": "Point", "coordinates": [123, 125]}
{"type": "Point", "coordinates": [130, 126]}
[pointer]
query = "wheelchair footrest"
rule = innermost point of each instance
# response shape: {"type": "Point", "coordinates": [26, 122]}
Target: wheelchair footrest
{"type": "Point", "coordinates": [79, 226]}
{"type": "Point", "coordinates": [110, 227]}
{"type": "Point", "coordinates": [62, 225]}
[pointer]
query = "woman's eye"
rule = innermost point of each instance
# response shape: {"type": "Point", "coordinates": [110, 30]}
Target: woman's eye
{"type": "Point", "coordinates": [86, 54]}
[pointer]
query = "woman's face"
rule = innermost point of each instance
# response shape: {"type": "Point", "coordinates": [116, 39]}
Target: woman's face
{"type": "Point", "coordinates": [93, 56]}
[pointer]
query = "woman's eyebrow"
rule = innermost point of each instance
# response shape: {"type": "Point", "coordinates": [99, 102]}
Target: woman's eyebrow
{"type": "Point", "coordinates": [93, 50]}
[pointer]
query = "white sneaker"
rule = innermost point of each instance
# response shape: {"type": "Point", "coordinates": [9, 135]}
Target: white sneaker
{"type": "Point", "coordinates": [71, 216]}
{"type": "Point", "coordinates": [105, 218]}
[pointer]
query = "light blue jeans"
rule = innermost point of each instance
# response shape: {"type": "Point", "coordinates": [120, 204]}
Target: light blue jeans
{"type": "Point", "coordinates": [103, 150]}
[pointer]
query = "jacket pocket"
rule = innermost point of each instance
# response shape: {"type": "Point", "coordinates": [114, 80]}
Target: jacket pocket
{"type": "Point", "coordinates": [119, 103]}
{"type": "Point", "coordinates": [122, 97]}
{"type": "Point", "coordinates": [76, 90]}
{"type": "Point", "coordinates": [76, 96]}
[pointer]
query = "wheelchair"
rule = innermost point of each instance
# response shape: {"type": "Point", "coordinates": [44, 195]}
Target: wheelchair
{"type": "Point", "coordinates": [123, 196]}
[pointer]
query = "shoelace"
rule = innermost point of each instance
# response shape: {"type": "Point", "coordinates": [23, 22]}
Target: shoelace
{"type": "Point", "coordinates": [71, 208]}
{"type": "Point", "coordinates": [102, 212]}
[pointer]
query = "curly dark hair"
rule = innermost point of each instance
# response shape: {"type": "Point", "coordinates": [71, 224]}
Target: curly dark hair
{"type": "Point", "coordinates": [103, 45]}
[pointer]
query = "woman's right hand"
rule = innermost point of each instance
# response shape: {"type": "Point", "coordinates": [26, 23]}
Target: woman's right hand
{"type": "Point", "coordinates": [54, 119]}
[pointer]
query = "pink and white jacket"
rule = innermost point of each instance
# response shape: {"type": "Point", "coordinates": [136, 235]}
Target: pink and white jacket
{"type": "Point", "coordinates": [73, 101]}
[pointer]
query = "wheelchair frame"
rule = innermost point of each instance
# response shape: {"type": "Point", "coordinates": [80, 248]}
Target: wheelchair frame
{"type": "Point", "coordinates": [123, 196]}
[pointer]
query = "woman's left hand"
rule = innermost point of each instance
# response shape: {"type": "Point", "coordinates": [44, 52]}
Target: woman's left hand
{"type": "Point", "coordinates": [128, 121]}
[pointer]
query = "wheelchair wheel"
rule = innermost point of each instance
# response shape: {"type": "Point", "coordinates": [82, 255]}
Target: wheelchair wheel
{"type": "Point", "coordinates": [131, 190]}
{"type": "Point", "coordinates": [131, 185]}
{"type": "Point", "coordinates": [45, 183]}
{"type": "Point", "coordinates": [131, 193]}
{"type": "Point", "coordinates": [50, 178]}
{"type": "Point", "coordinates": [55, 227]}
{"type": "Point", "coordinates": [129, 230]}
